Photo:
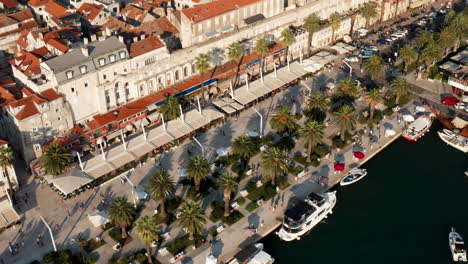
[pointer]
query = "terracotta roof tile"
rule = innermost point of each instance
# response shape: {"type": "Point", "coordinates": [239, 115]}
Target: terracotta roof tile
{"type": "Point", "coordinates": [90, 11]}
{"type": "Point", "coordinates": [55, 9]}
{"type": "Point", "coordinates": [161, 27]}
{"type": "Point", "coordinates": [28, 103]}
{"type": "Point", "coordinates": [51, 95]}
{"type": "Point", "coordinates": [6, 96]}
{"type": "Point", "coordinates": [144, 46]}
{"type": "Point", "coordinates": [22, 15]}
{"type": "Point", "coordinates": [38, 2]}
{"type": "Point", "coordinates": [24, 26]}
{"type": "Point", "coordinates": [213, 9]}
{"type": "Point", "coordinates": [58, 45]}
{"type": "Point", "coordinates": [9, 3]}
{"type": "Point", "coordinates": [3, 142]}
{"type": "Point", "coordinates": [22, 39]}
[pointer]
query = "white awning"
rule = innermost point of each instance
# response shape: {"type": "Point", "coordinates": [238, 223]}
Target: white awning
{"type": "Point", "coordinates": [408, 118]}
{"type": "Point", "coordinates": [99, 218]}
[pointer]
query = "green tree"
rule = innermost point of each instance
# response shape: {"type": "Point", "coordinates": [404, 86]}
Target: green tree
{"type": "Point", "coordinates": [235, 53]}
{"type": "Point", "coordinates": [244, 146]}
{"type": "Point", "coordinates": [312, 132]}
{"type": "Point", "coordinates": [227, 183]}
{"type": "Point", "coordinates": [459, 28]}
{"type": "Point", "coordinates": [445, 40]}
{"type": "Point", "coordinates": [317, 103]}
{"type": "Point", "coordinates": [287, 39]}
{"type": "Point", "coordinates": [55, 159]}
{"type": "Point", "coordinates": [335, 22]}
{"type": "Point", "coordinates": [346, 119]}
{"type": "Point", "coordinates": [369, 11]}
{"type": "Point", "coordinates": [148, 231]}
{"type": "Point", "coordinates": [408, 55]}
{"type": "Point", "coordinates": [274, 161]}
{"type": "Point", "coordinates": [198, 169]}
{"type": "Point", "coordinates": [399, 88]}
{"type": "Point", "coordinates": [191, 218]}
{"type": "Point", "coordinates": [6, 161]}
{"type": "Point", "coordinates": [262, 47]}
{"type": "Point", "coordinates": [282, 120]}
{"type": "Point", "coordinates": [348, 87]}
{"type": "Point", "coordinates": [449, 16]}
{"type": "Point", "coordinates": [374, 66]}
{"type": "Point", "coordinates": [430, 54]}
{"type": "Point", "coordinates": [373, 97]}
{"type": "Point", "coordinates": [423, 38]}
{"type": "Point", "coordinates": [161, 187]}
{"type": "Point", "coordinates": [122, 213]}
{"type": "Point", "coordinates": [170, 109]}
{"type": "Point", "coordinates": [312, 25]}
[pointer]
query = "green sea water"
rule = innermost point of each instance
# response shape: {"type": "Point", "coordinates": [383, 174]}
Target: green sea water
{"type": "Point", "coordinates": [401, 212]}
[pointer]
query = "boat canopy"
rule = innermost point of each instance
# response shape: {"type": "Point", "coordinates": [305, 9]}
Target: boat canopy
{"type": "Point", "coordinates": [295, 215]}
{"type": "Point", "coordinates": [420, 124]}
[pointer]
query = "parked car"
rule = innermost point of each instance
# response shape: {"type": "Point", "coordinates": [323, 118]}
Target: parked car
{"type": "Point", "coordinates": [394, 37]}
{"type": "Point", "coordinates": [383, 42]}
{"type": "Point", "coordinates": [460, 105]}
{"type": "Point", "coordinates": [352, 58]}
{"type": "Point", "coordinates": [450, 100]}
{"type": "Point", "coordinates": [366, 54]}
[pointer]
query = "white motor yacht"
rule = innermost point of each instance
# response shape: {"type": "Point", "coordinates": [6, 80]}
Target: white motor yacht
{"type": "Point", "coordinates": [301, 218]}
{"type": "Point", "coordinates": [457, 246]}
{"type": "Point", "coordinates": [417, 128]}
{"type": "Point", "coordinates": [252, 254]}
{"type": "Point", "coordinates": [454, 140]}
{"type": "Point", "coordinates": [353, 176]}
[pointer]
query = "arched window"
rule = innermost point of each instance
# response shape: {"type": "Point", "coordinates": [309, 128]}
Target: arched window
{"type": "Point", "coordinates": [177, 75]}
{"type": "Point", "coordinates": [185, 72]}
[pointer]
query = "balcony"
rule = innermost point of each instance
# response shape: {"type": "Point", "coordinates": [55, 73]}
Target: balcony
{"type": "Point", "coordinates": [460, 84]}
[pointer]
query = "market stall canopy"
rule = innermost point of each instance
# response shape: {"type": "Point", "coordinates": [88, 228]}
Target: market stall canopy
{"type": "Point", "coordinates": [408, 118]}
{"type": "Point", "coordinates": [389, 132]}
{"type": "Point", "coordinates": [98, 218]}
{"type": "Point", "coordinates": [420, 108]}
{"type": "Point", "coordinates": [339, 167]}
{"type": "Point", "coordinates": [359, 155]}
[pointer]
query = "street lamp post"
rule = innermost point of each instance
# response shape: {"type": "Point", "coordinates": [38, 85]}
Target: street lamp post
{"type": "Point", "coordinates": [201, 146]}
{"type": "Point", "coordinates": [261, 121]}
{"type": "Point", "coordinates": [350, 68]}
{"type": "Point", "coordinates": [133, 190]}
{"type": "Point", "coordinates": [50, 232]}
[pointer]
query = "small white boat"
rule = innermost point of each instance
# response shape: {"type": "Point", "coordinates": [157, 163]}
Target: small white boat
{"type": "Point", "coordinates": [418, 128]}
{"type": "Point", "coordinates": [457, 246]}
{"type": "Point", "coordinates": [353, 176]}
{"type": "Point", "coordinates": [454, 140]}
{"type": "Point", "coordinates": [466, 173]}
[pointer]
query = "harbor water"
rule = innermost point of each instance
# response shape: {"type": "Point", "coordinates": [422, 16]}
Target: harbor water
{"type": "Point", "coordinates": [401, 212]}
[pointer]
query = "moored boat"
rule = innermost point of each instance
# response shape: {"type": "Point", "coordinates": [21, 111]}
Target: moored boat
{"type": "Point", "coordinates": [353, 176]}
{"type": "Point", "coordinates": [302, 217]}
{"type": "Point", "coordinates": [457, 246]}
{"type": "Point", "coordinates": [454, 140]}
{"type": "Point", "coordinates": [252, 254]}
{"type": "Point", "coordinates": [418, 128]}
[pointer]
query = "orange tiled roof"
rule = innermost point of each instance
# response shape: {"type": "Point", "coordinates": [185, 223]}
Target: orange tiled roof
{"type": "Point", "coordinates": [160, 27]}
{"type": "Point", "coordinates": [145, 45]}
{"type": "Point", "coordinates": [58, 45]}
{"type": "Point", "coordinates": [134, 12]}
{"type": "Point", "coordinates": [55, 9]}
{"type": "Point", "coordinates": [9, 3]}
{"type": "Point", "coordinates": [29, 62]}
{"type": "Point", "coordinates": [90, 11]}
{"type": "Point", "coordinates": [6, 21]}
{"type": "Point", "coordinates": [38, 2]}
{"type": "Point", "coordinates": [24, 26]}
{"type": "Point", "coordinates": [28, 103]}
{"type": "Point", "coordinates": [22, 15]}
{"type": "Point", "coordinates": [6, 96]}
{"type": "Point", "coordinates": [213, 9]}
{"type": "Point", "coordinates": [22, 39]}
{"type": "Point", "coordinates": [3, 142]}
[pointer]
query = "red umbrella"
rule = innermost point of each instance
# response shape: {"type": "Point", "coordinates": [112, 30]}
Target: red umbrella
{"type": "Point", "coordinates": [359, 155]}
{"type": "Point", "coordinates": [339, 167]}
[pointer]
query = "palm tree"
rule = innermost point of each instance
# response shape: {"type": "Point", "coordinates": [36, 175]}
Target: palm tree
{"type": "Point", "coordinates": [346, 118]}
{"type": "Point", "coordinates": [191, 218]}
{"type": "Point", "coordinates": [445, 39]}
{"type": "Point", "coordinates": [287, 38]}
{"type": "Point", "coordinates": [348, 87]}
{"type": "Point", "coordinates": [198, 169]}
{"type": "Point", "coordinates": [312, 25]}
{"type": "Point", "coordinates": [335, 21]}
{"type": "Point", "coordinates": [317, 101]}
{"type": "Point", "coordinates": [235, 53]}
{"type": "Point", "coordinates": [459, 28]}
{"type": "Point", "coordinates": [262, 47]}
{"type": "Point", "coordinates": [122, 213]}
{"type": "Point", "coordinates": [202, 64]}
{"type": "Point", "coordinates": [170, 109]}
{"type": "Point", "coordinates": [430, 54]}
{"type": "Point", "coordinates": [312, 132]}
{"type": "Point", "coordinates": [373, 97]}
{"type": "Point", "coordinates": [422, 38]}
{"type": "Point", "coordinates": [400, 88]}
{"type": "Point", "coordinates": [244, 147]}
{"type": "Point", "coordinates": [408, 55]}
{"type": "Point", "coordinates": [282, 120]}
{"type": "Point", "coordinates": [228, 184]}
{"type": "Point", "coordinates": [275, 162]}
{"type": "Point", "coordinates": [374, 66]}
{"type": "Point", "coordinates": [148, 231]}
{"type": "Point", "coordinates": [161, 187]}
{"type": "Point", "coordinates": [449, 17]}
{"type": "Point", "coordinates": [369, 11]}
{"type": "Point", "coordinates": [55, 159]}
{"type": "Point", "coordinates": [6, 161]}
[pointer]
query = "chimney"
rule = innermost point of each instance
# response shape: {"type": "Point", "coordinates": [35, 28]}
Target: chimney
{"type": "Point", "coordinates": [85, 52]}
{"type": "Point", "coordinates": [93, 37]}
{"type": "Point", "coordinates": [108, 32]}
{"type": "Point", "coordinates": [143, 36]}
{"type": "Point", "coordinates": [121, 39]}
{"type": "Point", "coordinates": [135, 39]}
{"type": "Point", "coordinates": [85, 41]}
{"type": "Point", "coordinates": [41, 35]}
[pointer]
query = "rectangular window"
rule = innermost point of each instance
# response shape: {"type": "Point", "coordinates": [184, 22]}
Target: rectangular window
{"type": "Point", "coordinates": [104, 76]}
{"type": "Point", "coordinates": [112, 58]}
{"type": "Point", "coordinates": [59, 118]}
{"type": "Point", "coordinates": [102, 61]}
{"type": "Point", "coordinates": [86, 84]}
{"type": "Point", "coordinates": [83, 69]}
{"type": "Point", "coordinates": [122, 54]}
{"type": "Point", "coordinates": [57, 110]}
{"type": "Point", "coordinates": [107, 96]}
{"type": "Point", "coordinates": [69, 75]}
